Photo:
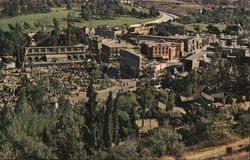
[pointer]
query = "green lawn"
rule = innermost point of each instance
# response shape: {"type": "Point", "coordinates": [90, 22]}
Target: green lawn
{"type": "Point", "coordinates": [61, 13]}
{"type": "Point", "coordinates": [203, 26]}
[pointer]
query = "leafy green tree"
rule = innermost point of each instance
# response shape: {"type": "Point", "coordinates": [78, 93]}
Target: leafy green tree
{"type": "Point", "coordinates": [11, 27]}
{"type": "Point", "coordinates": [85, 13]}
{"type": "Point", "coordinates": [56, 27]}
{"type": "Point", "coordinates": [22, 130]}
{"type": "Point", "coordinates": [38, 24]}
{"type": "Point", "coordinates": [161, 96]}
{"type": "Point", "coordinates": [128, 110]}
{"type": "Point", "coordinates": [40, 36]}
{"type": "Point", "coordinates": [206, 123]}
{"type": "Point", "coordinates": [26, 25]}
{"type": "Point", "coordinates": [134, 12]}
{"type": "Point", "coordinates": [50, 41]}
{"type": "Point", "coordinates": [68, 138]}
{"type": "Point", "coordinates": [232, 30]}
{"type": "Point", "coordinates": [213, 29]}
{"type": "Point", "coordinates": [109, 13]}
{"type": "Point", "coordinates": [160, 142]}
{"type": "Point", "coordinates": [153, 12]}
{"type": "Point", "coordinates": [197, 28]}
{"type": "Point", "coordinates": [152, 31]}
{"type": "Point", "coordinates": [13, 8]}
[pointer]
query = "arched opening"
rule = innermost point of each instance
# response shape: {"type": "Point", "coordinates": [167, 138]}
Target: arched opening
{"type": "Point", "coordinates": [69, 58]}
{"type": "Point", "coordinates": [75, 57]}
{"type": "Point", "coordinates": [30, 59]}
{"type": "Point", "coordinates": [36, 59]}
{"type": "Point", "coordinates": [81, 57]}
{"type": "Point", "coordinates": [43, 58]}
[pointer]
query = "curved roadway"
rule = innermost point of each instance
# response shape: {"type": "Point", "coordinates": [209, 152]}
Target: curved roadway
{"type": "Point", "coordinates": [165, 17]}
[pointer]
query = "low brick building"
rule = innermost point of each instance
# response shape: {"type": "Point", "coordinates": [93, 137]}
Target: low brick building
{"type": "Point", "coordinates": [162, 50]}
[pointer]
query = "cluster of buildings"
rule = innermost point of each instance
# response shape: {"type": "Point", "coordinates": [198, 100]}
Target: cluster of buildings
{"type": "Point", "coordinates": [135, 51]}
{"type": "Point", "coordinates": [129, 49]}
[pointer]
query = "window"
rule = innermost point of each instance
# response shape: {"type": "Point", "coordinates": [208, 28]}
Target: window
{"type": "Point", "coordinates": [36, 59]}
{"type": "Point", "coordinates": [30, 59]}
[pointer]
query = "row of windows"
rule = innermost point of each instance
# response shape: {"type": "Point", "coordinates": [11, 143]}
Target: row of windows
{"type": "Point", "coordinates": [158, 48]}
{"type": "Point", "coordinates": [44, 59]}
{"type": "Point", "coordinates": [159, 52]}
{"type": "Point", "coordinates": [55, 50]}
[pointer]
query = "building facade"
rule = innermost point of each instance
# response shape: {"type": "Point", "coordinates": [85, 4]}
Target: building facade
{"type": "Point", "coordinates": [130, 63]}
{"type": "Point", "coordinates": [54, 55]}
{"type": "Point", "coordinates": [127, 2]}
{"type": "Point", "coordinates": [163, 50]}
{"type": "Point", "coordinates": [108, 32]}
{"type": "Point", "coordinates": [191, 43]}
{"type": "Point", "coordinates": [170, 28]}
{"type": "Point", "coordinates": [111, 49]}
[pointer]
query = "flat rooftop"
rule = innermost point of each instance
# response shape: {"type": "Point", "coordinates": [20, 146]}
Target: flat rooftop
{"type": "Point", "coordinates": [41, 47]}
{"type": "Point", "coordinates": [118, 44]}
{"type": "Point", "coordinates": [176, 37]}
{"type": "Point", "coordinates": [171, 23]}
{"type": "Point", "coordinates": [156, 42]}
{"type": "Point", "coordinates": [196, 56]}
{"type": "Point", "coordinates": [134, 51]}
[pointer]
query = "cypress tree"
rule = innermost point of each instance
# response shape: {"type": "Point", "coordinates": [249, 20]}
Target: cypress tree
{"type": "Point", "coordinates": [172, 99]}
{"type": "Point", "coordinates": [90, 115]}
{"type": "Point", "coordinates": [115, 120]}
{"type": "Point", "coordinates": [69, 4]}
{"type": "Point", "coordinates": [146, 97]}
{"type": "Point", "coordinates": [107, 134]}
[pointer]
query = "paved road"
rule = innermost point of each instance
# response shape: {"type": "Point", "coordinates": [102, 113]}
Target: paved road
{"type": "Point", "coordinates": [165, 17]}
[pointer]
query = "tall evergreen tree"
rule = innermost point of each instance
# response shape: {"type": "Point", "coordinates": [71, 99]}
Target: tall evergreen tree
{"type": "Point", "coordinates": [107, 132]}
{"type": "Point", "coordinates": [146, 96]}
{"type": "Point", "coordinates": [115, 120]}
{"type": "Point", "coordinates": [171, 100]}
{"type": "Point", "coordinates": [69, 4]}
{"type": "Point", "coordinates": [90, 115]}
{"type": "Point", "coordinates": [70, 145]}
{"type": "Point", "coordinates": [56, 27]}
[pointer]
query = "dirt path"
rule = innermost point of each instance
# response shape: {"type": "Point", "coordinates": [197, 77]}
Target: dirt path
{"type": "Point", "coordinates": [219, 152]}
{"type": "Point", "coordinates": [213, 152]}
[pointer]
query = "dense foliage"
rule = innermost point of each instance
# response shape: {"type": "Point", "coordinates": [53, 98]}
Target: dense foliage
{"type": "Point", "coordinates": [37, 128]}
{"type": "Point", "coordinates": [232, 79]}
{"type": "Point", "coordinates": [18, 7]}
{"type": "Point", "coordinates": [103, 10]}
{"type": "Point", "coordinates": [12, 42]}
{"type": "Point", "coordinates": [234, 18]}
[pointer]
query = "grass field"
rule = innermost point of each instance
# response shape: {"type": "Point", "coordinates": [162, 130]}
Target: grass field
{"type": "Point", "coordinates": [204, 26]}
{"type": "Point", "coordinates": [61, 13]}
